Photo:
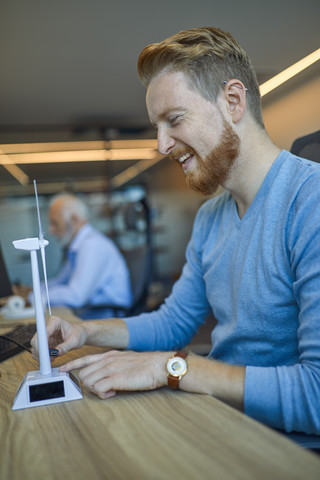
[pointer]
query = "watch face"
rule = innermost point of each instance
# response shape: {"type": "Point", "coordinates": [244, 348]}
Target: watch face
{"type": "Point", "coordinates": [176, 366]}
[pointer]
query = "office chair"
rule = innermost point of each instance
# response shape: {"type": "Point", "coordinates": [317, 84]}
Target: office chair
{"type": "Point", "coordinates": [139, 260]}
{"type": "Point", "coordinates": [308, 146]}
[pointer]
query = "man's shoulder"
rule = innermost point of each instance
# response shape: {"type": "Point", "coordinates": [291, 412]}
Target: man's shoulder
{"type": "Point", "coordinates": [298, 182]}
{"type": "Point", "coordinates": [299, 170]}
{"type": "Point", "coordinates": [88, 235]}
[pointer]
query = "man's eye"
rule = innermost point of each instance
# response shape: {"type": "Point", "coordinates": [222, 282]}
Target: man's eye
{"type": "Point", "coordinates": [174, 120]}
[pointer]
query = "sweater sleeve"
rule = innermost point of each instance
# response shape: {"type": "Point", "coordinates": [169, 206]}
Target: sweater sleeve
{"type": "Point", "coordinates": [288, 396]}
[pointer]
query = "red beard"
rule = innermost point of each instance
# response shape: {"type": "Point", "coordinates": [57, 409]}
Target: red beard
{"type": "Point", "coordinates": [214, 169]}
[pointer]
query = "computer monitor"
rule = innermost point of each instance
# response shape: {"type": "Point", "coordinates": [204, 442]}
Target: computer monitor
{"type": "Point", "coordinates": [5, 285]}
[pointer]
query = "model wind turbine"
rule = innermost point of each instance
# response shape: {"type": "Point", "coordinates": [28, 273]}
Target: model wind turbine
{"type": "Point", "coordinates": [47, 385]}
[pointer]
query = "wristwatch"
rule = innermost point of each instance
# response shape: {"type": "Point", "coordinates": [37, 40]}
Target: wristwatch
{"type": "Point", "coordinates": [176, 367]}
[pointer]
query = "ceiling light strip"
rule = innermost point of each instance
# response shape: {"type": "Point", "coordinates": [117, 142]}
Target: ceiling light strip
{"type": "Point", "coordinates": [17, 173]}
{"type": "Point", "coordinates": [78, 146]}
{"type": "Point", "coordinates": [289, 72]}
{"type": "Point", "coordinates": [14, 170]}
{"type": "Point", "coordinates": [132, 172]}
{"type": "Point", "coordinates": [78, 156]}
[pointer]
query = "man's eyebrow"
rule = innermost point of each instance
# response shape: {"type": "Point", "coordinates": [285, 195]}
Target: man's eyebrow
{"type": "Point", "coordinates": [166, 113]}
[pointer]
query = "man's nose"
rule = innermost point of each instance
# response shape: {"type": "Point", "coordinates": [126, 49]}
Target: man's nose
{"type": "Point", "coordinates": [165, 142]}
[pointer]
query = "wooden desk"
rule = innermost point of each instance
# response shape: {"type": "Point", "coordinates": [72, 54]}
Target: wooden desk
{"type": "Point", "coordinates": [63, 312]}
{"type": "Point", "coordinates": [149, 435]}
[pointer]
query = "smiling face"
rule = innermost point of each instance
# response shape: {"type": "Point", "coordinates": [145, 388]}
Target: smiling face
{"type": "Point", "coordinates": [192, 131]}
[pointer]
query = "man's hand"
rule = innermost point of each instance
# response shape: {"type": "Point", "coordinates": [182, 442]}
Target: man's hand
{"type": "Point", "coordinates": [62, 335]}
{"type": "Point", "coordinates": [105, 374]}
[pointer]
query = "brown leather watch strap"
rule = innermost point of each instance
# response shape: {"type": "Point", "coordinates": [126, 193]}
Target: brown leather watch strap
{"type": "Point", "coordinates": [181, 354]}
{"type": "Point", "coordinates": [173, 382]}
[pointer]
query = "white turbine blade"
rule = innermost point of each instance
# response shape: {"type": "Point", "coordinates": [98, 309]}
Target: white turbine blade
{"type": "Point", "coordinates": [43, 256]}
{"type": "Point", "coordinates": [38, 210]}
{"type": "Point", "coordinates": [42, 247]}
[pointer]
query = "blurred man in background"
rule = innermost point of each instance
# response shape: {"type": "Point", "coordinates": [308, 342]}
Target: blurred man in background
{"type": "Point", "coordinates": [94, 271]}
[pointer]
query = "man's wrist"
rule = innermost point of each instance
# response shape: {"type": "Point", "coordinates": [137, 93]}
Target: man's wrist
{"type": "Point", "coordinates": [112, 333]}
{"type": "Point", "coordinates": [176, 368]}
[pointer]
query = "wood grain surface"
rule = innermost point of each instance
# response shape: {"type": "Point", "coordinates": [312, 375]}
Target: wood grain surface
{"type": "Point", "coordinates": [154, 435]}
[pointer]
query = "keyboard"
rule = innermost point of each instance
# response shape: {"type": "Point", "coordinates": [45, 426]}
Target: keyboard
{"type": "Point", "coordinates": [22, 335]}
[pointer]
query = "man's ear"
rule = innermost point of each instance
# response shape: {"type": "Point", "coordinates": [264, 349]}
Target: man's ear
{"type": "Point", "coordinates": [235, 95]}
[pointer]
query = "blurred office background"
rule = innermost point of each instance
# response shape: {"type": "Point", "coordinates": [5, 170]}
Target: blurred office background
{"type": "Point", "coordinates": [73, 116]}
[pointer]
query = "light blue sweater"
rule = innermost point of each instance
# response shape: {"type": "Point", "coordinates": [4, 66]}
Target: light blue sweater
{"type": "Point", "coordinates": [260, 276]}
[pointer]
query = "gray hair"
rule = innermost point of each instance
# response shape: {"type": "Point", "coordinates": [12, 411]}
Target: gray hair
{"type": "Point", "coordinates": [72, 206]}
